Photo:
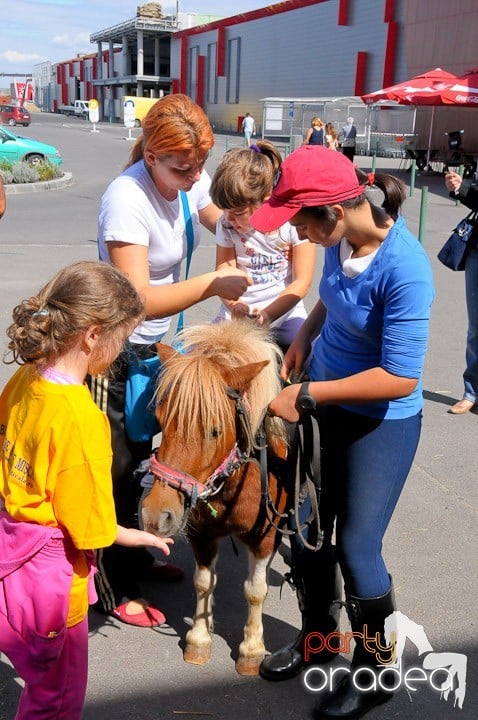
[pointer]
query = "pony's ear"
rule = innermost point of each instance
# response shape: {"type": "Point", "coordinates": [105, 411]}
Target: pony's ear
{"type": "Point", "coordinates": [241, 377]}
{"type": "Point", "coordinates": [165, 351]}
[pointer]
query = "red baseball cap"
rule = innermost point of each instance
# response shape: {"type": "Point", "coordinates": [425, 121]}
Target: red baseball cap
{"type": "Point", "coordinates": [310, 176]}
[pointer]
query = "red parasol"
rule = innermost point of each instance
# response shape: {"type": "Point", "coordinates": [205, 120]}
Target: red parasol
{"type": "Point", "coordinates": [464, 91]}
{"type": "Point", "coordinates": [425, 89]}
{"type": "Point", "coordinates": [430, 88]}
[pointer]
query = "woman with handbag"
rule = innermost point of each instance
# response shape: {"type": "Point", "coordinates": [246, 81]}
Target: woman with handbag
{"type": "Point", "coordinates": [467, 193]}
{"type": "Point", "coordinates": [149, 221]}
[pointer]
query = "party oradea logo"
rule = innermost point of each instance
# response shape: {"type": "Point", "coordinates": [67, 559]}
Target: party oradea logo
{"type": "Point", "coordinates": [443, 672]}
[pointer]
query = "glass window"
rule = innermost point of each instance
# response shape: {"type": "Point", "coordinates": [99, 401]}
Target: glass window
{"type": "Point", "coordinates": [233, 70]}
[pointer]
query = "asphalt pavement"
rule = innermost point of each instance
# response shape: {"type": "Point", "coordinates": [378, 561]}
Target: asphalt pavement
{"type": "Point", "coordinates": [430, 547]}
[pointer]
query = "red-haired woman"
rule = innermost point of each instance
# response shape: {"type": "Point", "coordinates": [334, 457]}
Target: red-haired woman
{"type": "Point", "coordinates": [142, 232]}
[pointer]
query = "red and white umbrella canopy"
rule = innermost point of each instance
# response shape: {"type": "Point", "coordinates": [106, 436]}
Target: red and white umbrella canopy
{"type": "Point", "coordinates": [464, 91]}
{"type": "Point", "coordinates": [425, 89]}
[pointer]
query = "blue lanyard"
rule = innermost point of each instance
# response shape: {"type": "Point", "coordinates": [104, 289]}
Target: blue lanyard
{"type": "Point", "coordinates": [190, 240]}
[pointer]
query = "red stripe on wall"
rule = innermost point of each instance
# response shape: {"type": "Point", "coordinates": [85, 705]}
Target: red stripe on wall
{"type": "Point", "coordinates": [184, 64]}
{"type": "Point", "coordinates": [389, 67]}
{"type": "Point", "coordinates": [175, 86]}
{"type": "Point", "coordinates": [343, 12]}
{"type": "Point", "coordinates": [201, 64]}
{"type": "Point", "coordinates": [270, 10]}
{"type": "Point", "coordinates": [360, 69]}
{"type": "Point", "coordinates": [389, 14]}
{"type": "Point", "coordinates": [221, 51]}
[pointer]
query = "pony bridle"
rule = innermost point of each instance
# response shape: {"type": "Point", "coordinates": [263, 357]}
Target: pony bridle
{"type": "Point", "coordinates": [194, 490]}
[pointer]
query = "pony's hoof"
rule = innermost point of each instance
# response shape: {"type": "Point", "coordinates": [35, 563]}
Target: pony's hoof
{"type": "Point", "coordinates": [197, 656]}
{"type": "Point", "coordinates": [249, 666]}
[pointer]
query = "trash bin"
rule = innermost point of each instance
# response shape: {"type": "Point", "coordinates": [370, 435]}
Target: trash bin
{"type": "Point", "coordinates": [240, 118]}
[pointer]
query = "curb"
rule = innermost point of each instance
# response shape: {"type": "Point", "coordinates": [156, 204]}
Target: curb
{"type": "Point", "coordinates": [57, 184]}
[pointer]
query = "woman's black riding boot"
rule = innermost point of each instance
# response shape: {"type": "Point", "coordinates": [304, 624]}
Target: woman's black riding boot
{"type": "Point", "coordinates": [316, 578]}
{"type": "Point", "coordinates": [347, 701]}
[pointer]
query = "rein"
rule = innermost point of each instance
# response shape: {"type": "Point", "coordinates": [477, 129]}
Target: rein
{"type": "Point", "coordinates": [307, 482]}
{"type": "Point", "coordinates": [308, 479]}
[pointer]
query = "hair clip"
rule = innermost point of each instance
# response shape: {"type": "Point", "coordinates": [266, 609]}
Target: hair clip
{"type": "Point", "coordinates": [255, 148]}
{"type": "Point", "coordinates": [371, 178]}
{"type": "Point", "coordinates": [40, 312]}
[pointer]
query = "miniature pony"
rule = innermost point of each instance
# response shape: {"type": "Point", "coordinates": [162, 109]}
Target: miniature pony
{"type": "Point", "coordinates": [216, 472]}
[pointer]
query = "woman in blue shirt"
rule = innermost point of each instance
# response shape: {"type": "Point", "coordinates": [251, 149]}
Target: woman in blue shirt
{"type": "Point", "coordinates": [366, 337]}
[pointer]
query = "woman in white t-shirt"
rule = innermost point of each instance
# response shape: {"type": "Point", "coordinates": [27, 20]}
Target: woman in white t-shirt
{"type": "Point", "coordinates": [279, 265]}
{"type": "Point", "coordinates": [331, 140]}
{"type": "Point", "coordinates": [142, 232]}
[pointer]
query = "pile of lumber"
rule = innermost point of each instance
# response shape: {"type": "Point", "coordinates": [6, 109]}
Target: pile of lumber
{"type": "Point", "coordinates": [151, 10]}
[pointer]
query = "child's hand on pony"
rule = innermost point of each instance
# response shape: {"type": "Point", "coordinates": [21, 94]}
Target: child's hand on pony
{"type": "Point", "coordinates": [131, 537]}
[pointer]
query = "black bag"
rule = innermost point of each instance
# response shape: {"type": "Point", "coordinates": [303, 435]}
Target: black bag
{"type": "Point", "coordinates": [453, 253]}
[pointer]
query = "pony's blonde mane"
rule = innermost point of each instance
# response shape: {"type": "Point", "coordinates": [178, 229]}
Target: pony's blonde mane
{"type": "Point", "coordinates": [193, 387]}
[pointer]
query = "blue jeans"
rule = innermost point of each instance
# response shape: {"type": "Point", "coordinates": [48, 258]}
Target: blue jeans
{"type": "Point", "coordinates": [365, 463]}
{"type": "Point", "coordinates": [470, 376]}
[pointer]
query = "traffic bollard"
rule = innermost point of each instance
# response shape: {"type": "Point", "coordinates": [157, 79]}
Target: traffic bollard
{"type": "Point", "coordinates": [423, 214]}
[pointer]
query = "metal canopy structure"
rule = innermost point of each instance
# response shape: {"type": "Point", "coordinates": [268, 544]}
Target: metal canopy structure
{"type": "Point", "coordinates": [377, 131]}
{"type": "Point", "coordinates": [129, 29]}
{"type": "Point", "coordinates": [290, 116]}
{"type": "Point", "coordinates": [144, 67]}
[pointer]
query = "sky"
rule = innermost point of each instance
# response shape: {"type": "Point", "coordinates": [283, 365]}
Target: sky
{"type": "Point", "coordinates": [32, 31]}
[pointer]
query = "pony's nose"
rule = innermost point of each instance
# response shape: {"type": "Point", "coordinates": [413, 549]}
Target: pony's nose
{"type": "Point", "coordinates": [168, 523]}
{"type": "Point", "coordinates": [163, 523]}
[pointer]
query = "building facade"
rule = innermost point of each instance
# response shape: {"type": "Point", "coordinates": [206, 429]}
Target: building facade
{"type": "Point", "coordinates": [298, 48]}
{"type": "Point", "coordinates": [327, 48]}
{"type": "Point", "coordinates": [292, 49]}
{"type": "Point", "coordinates": [131, 58]}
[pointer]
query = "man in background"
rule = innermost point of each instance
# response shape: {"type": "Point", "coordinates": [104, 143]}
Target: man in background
{"type": "Point", "coordinates": [249, 128]}
{"type": "Point", "coordinates": [348, 138]}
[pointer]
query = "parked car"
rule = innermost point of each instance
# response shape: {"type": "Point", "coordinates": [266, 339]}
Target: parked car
{"type": "Point", "coordinates": [14, 115]}
{"type": "Point", "coordinates": [14, 148]}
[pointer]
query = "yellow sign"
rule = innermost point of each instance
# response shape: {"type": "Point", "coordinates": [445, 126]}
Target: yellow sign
{"type": "Point", "coordinates": [93, 104]}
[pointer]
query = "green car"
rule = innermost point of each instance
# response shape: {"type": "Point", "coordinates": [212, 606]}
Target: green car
{"type": "Point", "coordinates": [14, 148]}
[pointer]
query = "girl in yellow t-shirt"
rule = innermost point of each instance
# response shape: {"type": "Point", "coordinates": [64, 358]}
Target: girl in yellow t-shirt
{"type": "Point", "coordinates": [55, 477]}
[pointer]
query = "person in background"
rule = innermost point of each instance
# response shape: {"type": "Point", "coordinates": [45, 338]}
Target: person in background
{"type": "Point", "coordinates": [55, 480]}
{"type": "Point", "coordinates": [279, 264]}
{"type": "Point", "coordinates": [348, 138]}
{"type": "Point", "coordinates": [142, 232]}
{"type": "Point", "coordinates": [367, 335]}
{"type": "Point", "coordinates": [315, 134]}
{"type": "Point", "coordinates": [467, 193]}
{"type": "Point", "coordinates": [248, 128]}
{"type": "Point", "coordinates": [331, 140]}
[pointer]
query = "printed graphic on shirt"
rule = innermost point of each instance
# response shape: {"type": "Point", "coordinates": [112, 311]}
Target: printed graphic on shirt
{"type": "Point", "coordinates": [19, 469]}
